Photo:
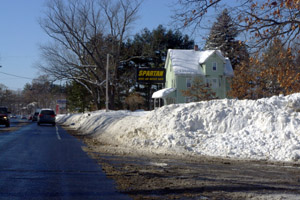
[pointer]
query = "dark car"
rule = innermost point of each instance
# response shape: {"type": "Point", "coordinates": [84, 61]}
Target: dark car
{"type": "Point", "coordinates": [46, 116]}
{"type": "Point", "coordinates": [4, 117]}
{"type": "Point", "coordinates": [35, 116]}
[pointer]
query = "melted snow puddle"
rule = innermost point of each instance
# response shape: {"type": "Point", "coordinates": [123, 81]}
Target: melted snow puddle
{"type": "Point", "coordinates": [158, 164]}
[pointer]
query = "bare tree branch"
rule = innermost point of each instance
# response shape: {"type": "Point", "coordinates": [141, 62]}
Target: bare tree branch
{"type": "Point", "coordinates": [84, 32]}
{"type": "Point", "coordinates": [262, 20]}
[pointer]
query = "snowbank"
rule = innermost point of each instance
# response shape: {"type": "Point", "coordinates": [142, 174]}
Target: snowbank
{"type": "Point", "coordinates": [267, 129]}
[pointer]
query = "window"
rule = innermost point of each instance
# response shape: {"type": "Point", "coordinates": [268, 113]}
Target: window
{"type": "Point", "coordinates": [213, 83]}
{"type": "Point", "coordinates": [188, 82]}
{"type": "Point", "coordinates": [214, 66]}
{"type": "Point", "coordinates": [207, 82]}
{"type": "Point", "coordinates": [188, 99]}
{"type": "Point", "coordinates": [47, 112]}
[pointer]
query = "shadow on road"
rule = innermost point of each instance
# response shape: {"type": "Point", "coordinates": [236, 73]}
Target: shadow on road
{"type": "Point", "coordinates": [14, 125]}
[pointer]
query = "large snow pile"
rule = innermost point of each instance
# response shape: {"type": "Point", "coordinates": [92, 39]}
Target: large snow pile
{"type": "Point", "coordinates": [267, 128]}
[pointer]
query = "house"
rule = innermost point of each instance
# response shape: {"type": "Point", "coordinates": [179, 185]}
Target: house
{"type": "Point", "coordinates": [182, 66]}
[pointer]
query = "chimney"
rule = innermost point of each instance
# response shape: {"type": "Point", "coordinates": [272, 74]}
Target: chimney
{"type": "Point", "coordinates": [196, 47]}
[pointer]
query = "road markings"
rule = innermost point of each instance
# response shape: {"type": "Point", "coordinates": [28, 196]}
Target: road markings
{"type": "Point", "coordinates": [57, 133]}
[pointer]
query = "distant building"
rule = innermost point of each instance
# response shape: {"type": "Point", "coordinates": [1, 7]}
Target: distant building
{"type": "Point", "coordinates": [182, 66]}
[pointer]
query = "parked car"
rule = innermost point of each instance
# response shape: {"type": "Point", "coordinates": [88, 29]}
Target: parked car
{"type": "Point", "coordinates": [46, 116]}
{"type": "Point", "coordinates": [35, 116]}
{"type": "Point", "coordinates": [4, 116]}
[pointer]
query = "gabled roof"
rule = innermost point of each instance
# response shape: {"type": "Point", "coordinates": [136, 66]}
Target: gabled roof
{"type": "Point", "coordinates": [188, 61]}
{"type": "Point", "coordinates": [228, 71]}
{"type": "Point", "coordinates": [185, 61]}
{"type": "Point", "coordinates": [204, 55]}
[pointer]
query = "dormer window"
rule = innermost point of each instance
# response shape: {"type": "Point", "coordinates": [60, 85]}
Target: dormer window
{"type": "Point", "coordinates": [214, 66]}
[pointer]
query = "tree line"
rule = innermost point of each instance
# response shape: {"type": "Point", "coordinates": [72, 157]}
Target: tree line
{"type": "Point", "coordinates": [40, 93]}
{"type": "Point", "coordinates": [86, 33]}
{"type": "Point", "coordinates": [90, 35]}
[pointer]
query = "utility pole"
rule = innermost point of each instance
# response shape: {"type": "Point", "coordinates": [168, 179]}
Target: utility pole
{"type": "Point", "coordinates": [107, 97]}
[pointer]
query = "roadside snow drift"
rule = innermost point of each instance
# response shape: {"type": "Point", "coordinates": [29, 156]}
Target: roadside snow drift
{"type": "Point", "coordinates": [266, 129]}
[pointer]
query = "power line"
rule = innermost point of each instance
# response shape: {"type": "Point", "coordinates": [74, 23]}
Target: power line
{"type": "Point", "coordinates": [16, 76]}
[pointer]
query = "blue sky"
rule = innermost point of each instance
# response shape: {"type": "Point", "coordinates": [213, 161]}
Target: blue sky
{"type": "Point", "coordinates": [19, 38]}
{"type": "Point", "coordinates": [21, 35]}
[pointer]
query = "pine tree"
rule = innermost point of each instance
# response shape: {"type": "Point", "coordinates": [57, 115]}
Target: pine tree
{"type": "Point", "coordinates": [222, 36]}
{"type": "Point", "coordinates": [149, 49]}
{"type": "Point", "coordinates": [78, 97]}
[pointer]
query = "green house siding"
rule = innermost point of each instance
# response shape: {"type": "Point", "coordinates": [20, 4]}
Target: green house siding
{"type": "Point", "coordinates": [209, 66]}
{"type": "Point", "coordinates": [170, 76]}
{"type": "Point", "coordinates": [220, 87]}
{"type": "Point", "coordinates": [181, 85]}
{"type": "Point", "coordinates": [170, 83]}
{"type": "Point", "coordinates": [216, 73]}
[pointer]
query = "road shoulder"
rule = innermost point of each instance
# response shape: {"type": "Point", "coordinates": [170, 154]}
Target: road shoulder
{"type": "Point", "coordinates": [157, 176]}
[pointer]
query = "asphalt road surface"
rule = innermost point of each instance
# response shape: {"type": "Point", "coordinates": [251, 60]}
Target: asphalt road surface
{"type": "Point", "coordinates": [45, 162]}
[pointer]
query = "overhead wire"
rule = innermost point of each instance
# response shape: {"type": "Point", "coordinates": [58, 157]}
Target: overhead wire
{"type": "Point", "coordinates": [16, 76]}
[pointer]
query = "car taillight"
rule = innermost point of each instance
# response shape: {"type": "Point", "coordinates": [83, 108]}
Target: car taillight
{"type": "Point", "coordinates": [52, 116]}
{"type": "Point", "coordinates": [40, 115]}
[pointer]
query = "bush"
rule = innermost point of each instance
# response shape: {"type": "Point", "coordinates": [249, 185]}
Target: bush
{"type": "Point", "coordinates": [134, 101]}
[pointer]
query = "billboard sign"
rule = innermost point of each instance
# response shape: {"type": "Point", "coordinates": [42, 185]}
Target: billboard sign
{"type": "Point", "coordinates": [61, 105]}
{"type": "Point", "coordinates": [151, 75]}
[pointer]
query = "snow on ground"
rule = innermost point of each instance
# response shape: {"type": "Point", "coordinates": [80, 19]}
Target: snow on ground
{"type": "Point", "coordinates": [264, 129]}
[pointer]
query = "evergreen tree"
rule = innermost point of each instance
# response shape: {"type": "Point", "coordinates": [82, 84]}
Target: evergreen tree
{"type": "Point", "coordinates": [79, 99]}
{"type": "Point", "coordinates": [222, 36]}
{"type": "Point", "coordinates": [149, 49]}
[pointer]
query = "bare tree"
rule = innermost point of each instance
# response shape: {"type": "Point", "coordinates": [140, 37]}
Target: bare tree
{"type": "Point", "coordinates": [199, 91]}
{"type": "Point", "coordinates": [264, 20]}
{"type": "Point", "coordinates": [11, 99]}
{"type": "Point", "coordinates": [5, 94]}
{"type": "Point", "coordinates": [41, 92]}
{"type": "Point", "coordinates": [83, 33]}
